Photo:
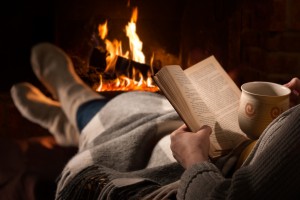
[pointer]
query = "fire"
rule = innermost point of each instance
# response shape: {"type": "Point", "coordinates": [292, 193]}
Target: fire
{"type": "Point", "coordinates": [123, 83]}
{"type": "Point", "coordinates": [135, 44]}
{"type": "Point", "coordinates": [137, 81]}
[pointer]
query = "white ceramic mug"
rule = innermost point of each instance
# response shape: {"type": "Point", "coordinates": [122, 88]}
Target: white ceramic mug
{"type": "Point", "coordinates": [260, 104]}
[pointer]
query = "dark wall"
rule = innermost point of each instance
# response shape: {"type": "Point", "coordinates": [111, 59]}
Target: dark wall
{"type": "Point", "coordinates": [23, 24]}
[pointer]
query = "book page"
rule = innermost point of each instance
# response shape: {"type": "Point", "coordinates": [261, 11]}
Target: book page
{"type": "Point", "coordinates": [182, 95]}
{"type": "Point", "coordinates": [221, 95]}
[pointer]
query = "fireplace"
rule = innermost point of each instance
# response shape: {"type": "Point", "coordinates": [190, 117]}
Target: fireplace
{"type": "Point", "coordinates": [251, 39]}
{"type": "Point", "coordinates": [92, 51]}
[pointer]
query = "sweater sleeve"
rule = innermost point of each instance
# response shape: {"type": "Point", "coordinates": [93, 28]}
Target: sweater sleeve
{"type": "Point", "coordinates": [199, 181]}
{"type": "Point", "coordinates": [270, 172]}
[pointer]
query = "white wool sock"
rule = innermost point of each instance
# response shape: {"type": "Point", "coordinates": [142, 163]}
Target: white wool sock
{"type": "Point", "coordinates": [47, 113]}
{"type": "Point", "coordinates": [55, 70]}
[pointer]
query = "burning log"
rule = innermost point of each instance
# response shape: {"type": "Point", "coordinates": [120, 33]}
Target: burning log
{"type": "Point", "coordinates": [126, 66]}
{"type": "Point", "coordinates": [123, 65]}
{"type": "Point", "coordinates": [125, 75]}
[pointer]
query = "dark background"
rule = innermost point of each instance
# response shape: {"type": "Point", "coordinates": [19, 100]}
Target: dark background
{"type": "Point", "coordinates": [23, 24]}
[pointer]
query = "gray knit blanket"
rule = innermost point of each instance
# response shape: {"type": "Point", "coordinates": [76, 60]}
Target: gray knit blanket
{"type": "Point", "coordinates": [124, 152]}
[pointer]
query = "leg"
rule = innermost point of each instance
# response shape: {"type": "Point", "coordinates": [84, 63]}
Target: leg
{"type": "Point", "coordinates": [55, 70]}
{"type": "Point", "coordinates": [88, 110]}
{"type": "Point", "coordinates": [39, 109]}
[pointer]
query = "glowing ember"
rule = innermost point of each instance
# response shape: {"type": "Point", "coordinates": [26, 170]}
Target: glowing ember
{"type": "Point", "coordinates": [123, 82]}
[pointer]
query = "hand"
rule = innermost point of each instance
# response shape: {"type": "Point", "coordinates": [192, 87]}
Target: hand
{"type": "Point", "coordinates": [190, 148]}
{"type": "Point", "coordinates": [294, 85]}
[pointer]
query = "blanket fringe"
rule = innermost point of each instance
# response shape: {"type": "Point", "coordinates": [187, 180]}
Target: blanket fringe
{"type": "Point", "coordinates": [94, 182]}
{"type": "Point", "coordinates": [87, 184]}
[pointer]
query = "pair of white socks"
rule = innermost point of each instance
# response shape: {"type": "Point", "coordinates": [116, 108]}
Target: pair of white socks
{"type": "Point", "coordinates": [54, 68]}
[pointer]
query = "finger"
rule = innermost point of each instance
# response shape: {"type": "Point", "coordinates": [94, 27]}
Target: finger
{"type": "Point", "coordinates": [205, 129]}
{"type": "Point", "coordinates": [296, 92]}
{"type": "Point", "coordinates": [294, 84]}
{"type": "Point", "coordinates": [182, 129]}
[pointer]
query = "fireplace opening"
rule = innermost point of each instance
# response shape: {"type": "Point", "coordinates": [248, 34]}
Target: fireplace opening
{"type": "Point", "coordinates": [111, 56]}
{"type": "Point", "coordinates": [251, 39]}
{"type": "Point", "coordinates": [115, 68]}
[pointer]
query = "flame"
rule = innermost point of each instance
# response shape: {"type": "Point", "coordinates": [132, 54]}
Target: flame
{"type": "Point", "coordinates": [124, 83]}
{"type": "Point", "coordinates": [103, 30]}
{"type": "Point", "coordinates": [114, 49]}
{"type": "Point", "coordinates": [135, 44]}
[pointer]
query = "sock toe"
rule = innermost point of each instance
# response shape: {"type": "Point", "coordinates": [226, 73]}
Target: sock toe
{"type": "Point", "coordinates": [39, 109]}
{"type": "Point", "coordinates": [31, 102]}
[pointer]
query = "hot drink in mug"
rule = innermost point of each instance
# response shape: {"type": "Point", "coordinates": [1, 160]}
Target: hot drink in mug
{"type": "Point", "coordinates": [260, 104]}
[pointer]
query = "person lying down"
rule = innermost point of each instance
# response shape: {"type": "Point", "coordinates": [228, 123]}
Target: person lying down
{"type": "Point", "coordinates": [135, 146]}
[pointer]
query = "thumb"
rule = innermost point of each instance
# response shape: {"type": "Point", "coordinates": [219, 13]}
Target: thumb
{"type": "Point", "coordinates": [206, 129]}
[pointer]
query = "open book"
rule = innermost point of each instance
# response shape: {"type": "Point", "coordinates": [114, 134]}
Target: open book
{"type": "Point", "coordinates": [204, 94]}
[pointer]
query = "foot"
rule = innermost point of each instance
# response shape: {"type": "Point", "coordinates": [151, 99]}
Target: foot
{"type": "Point", "coordinates": [53, 67]}
{"type": "Point", "coordinates": [47, 113]}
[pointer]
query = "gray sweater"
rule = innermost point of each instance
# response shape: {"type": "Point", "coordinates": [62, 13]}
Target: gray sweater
{"type": "Point", "coordinates": [124, 154]}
